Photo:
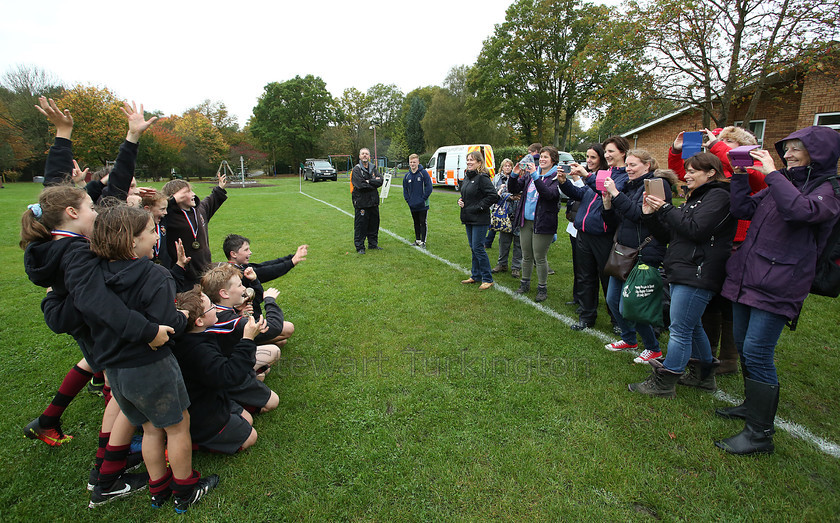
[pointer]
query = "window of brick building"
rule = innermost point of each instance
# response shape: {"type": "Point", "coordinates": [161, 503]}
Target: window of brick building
{"type": "Point", "coordinates": [756, 127]}
{"type": "Point", "coordinates": [828, 119]}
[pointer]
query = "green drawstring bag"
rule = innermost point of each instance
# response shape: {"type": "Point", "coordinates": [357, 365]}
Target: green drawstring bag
{"type": "Point", "coordinates": [641, 296]}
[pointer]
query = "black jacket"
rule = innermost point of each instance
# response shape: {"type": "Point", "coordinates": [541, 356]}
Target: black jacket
{"type": "Point", "coordinates": [144, 287]}
{"type": "Point", "coordinates": [59, 168]}
{"type": "Point", "coordinates": [364, 184]}
{"type": "Point", "coordinates": [479, 194]}
{"type": "Point", "coordinates": [626, 216]}
{"type": "Point", "coordinates": [177, 226]}
{"type": "Point", "coordinates": [66, 266]}
{"type": "Point", "coordinates": [700, 232]}
{"type": "Point", "coordinates": [207, 374]}
{"type": "Point", "coordinates": [230, 325]}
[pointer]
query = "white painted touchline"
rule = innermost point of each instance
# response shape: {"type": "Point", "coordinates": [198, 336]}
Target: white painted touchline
{"type": "Point", "coordinates": [796, 430]}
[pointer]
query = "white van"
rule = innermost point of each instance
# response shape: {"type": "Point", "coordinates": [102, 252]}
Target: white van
{"type": "Point", "coordinates": [447, 165]}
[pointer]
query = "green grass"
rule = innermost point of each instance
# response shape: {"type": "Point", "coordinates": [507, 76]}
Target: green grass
{"type": "Point", "coordinates": [407, 396]}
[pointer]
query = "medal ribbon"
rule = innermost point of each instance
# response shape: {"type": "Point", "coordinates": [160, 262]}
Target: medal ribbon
{"type": "Point", "coordinates": [193, 229]}
{"type": "Point", "coordinates": [157, 243]}
{"type": "Point", "coordinates": [67, 234]}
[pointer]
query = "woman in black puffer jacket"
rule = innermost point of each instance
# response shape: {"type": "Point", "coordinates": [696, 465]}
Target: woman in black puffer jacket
{"type": "Point", "coordinates": [477, 195]}
{"type": "Point", "coordinates": [700, 232]}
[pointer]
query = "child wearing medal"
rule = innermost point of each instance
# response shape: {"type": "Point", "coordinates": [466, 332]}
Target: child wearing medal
{"type": "Point", "coordinates": [187, 219]}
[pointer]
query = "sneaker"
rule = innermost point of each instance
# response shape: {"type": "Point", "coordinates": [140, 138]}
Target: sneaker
{"type": "Point", "coordinates": [202, 487]}
{"type": "Point", "coordinates": [125, 485]}
{"type": "Point", "coordinates": [647, 355]}
{"type": "Point", "coordinates": [132, 462]}
{"type": "Point", "coordinates": [159, 499]}
{"type": "Point", "coordinates": [52, 436]}
{"type": "Point", "coordinates": [620, 345]}
{"type": "Point", "coordinates": [95, 388]}
{"type": "Point", "coordinates": [422, 245]}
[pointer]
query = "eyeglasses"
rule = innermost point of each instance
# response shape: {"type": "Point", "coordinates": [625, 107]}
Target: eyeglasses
{"type": "Point", "coordinates": [212, 308]}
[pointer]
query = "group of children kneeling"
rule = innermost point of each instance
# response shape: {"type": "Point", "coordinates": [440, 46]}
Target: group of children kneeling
{"type": "Point", "coordinates": [186, 367]}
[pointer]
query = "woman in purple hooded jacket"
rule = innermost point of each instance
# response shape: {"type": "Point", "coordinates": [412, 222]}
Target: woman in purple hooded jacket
{"type": "Point", "coordinates": [770, 274]}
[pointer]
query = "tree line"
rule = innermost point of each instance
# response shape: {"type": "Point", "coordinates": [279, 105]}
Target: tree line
{"type": "Point", "coordinates": [544, 70]}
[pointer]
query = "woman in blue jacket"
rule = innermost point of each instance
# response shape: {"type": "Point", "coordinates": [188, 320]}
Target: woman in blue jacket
{"type": "Point", "coordinates": [623, 209]}
{"type": "Point", "coordinates": [771, 273]}
{"type": "Point", "coordinates": [536, 217]}
{"type": "Point", "coordinates": [417, 187]}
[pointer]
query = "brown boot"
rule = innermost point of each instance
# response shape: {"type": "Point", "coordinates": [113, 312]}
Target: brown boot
{"type": "Point", "coordinates": [728, 353]}
{"type": "Point", "coordinates": [700, 375]}
{"type": "Point", "coordinates": [661, 382]}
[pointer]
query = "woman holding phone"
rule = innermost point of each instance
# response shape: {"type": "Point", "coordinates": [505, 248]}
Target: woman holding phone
{"type": "Point", "coordinates": [536, 217]}
{"type": "Point", "coordinates": [623, 209]}
{"type": "Point", "coordinates": [770, 275]}
{"type": "Point", "coordinates": [699, 235]}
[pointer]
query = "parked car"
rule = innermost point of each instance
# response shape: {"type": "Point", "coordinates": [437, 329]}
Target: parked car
{"type": "Point", "coordinates": [317, 169]}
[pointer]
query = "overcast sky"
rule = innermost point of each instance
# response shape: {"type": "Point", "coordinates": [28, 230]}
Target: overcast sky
{"type": "Point", "coordinates": [172, 55]}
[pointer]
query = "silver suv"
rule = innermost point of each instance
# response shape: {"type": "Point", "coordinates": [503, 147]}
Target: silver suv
{"type": "Point", "coordinates": [316, 169]}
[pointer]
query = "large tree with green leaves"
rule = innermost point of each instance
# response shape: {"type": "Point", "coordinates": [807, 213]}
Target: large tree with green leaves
{"type": "Point", "coordinates": [413, 130]}
{"type": "Point", "coordinates": [548, 61]}
{"type": "Point", "coordinates": [291, 116]}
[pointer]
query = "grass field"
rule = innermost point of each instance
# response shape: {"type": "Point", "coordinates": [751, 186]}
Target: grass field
{"type": "Point", "coordinates": [406, 396]}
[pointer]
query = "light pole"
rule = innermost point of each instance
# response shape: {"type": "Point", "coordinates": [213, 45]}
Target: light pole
{"type": "Point", "coordinates": [375, 160]}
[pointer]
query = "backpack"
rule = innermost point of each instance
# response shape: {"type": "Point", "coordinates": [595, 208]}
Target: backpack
{"type": "Point", "coordinates": [827, 279]}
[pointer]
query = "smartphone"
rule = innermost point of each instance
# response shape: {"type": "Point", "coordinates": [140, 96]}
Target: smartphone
{"type": "Point", "coordinates": [655, 187]}
{"type": "Point", "coordinates": [740, 156]}
{"type": "Point", "coordinates": [565, 168]}
{"type": "Point", "coordinates": [600, 176]}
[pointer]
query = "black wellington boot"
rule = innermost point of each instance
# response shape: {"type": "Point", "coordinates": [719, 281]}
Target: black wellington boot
{"type": "Point", "coordinates": [738, 411]}
{"type": "Point", "coordinates": [762, 400]}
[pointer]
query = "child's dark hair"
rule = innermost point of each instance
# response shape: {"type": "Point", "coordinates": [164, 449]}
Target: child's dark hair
{"type": "Point", "coordinates": [191, 302]}
{"type": "Point", "coordinates": [115, 229]}
{"type": "Point", "coordinates": [233, 243]}
{"type": "Point", "coordinates": [217, 278]}
{"type": "Point", "coordinates": [174, 186]}
{"type": "Point", "coordinates": [40, 219]}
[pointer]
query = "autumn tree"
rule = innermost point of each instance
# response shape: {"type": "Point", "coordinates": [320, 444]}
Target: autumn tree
{"type": "Point", "coordinates": [354, 114]}
{"type": "Point", "coordinates": [291, 116]}
{"type": "Point", "coordinates": [220, 117]}
{"type": "Point", "coordinates": [99, 125]}
{"type": "Point", "coordinates": [24, 133]}
{"type": "Point", "coordinates": [204, 146]}
{"type": "Point", "coordinates": [706, 53]}
{"type": "Point", "coordinates": [160, 150]}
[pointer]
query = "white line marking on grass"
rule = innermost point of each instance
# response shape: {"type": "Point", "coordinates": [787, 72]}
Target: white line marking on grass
{"type": "Point", "coordinates": [796, 430]}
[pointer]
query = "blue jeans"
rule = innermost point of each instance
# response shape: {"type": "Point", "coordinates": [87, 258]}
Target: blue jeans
{"type": "Point", "coordinates": [756, 333]}
{"type": "Point", "coordinates": [480, 261]}
{"type": "Point", "coordinates": [688, 339]}
{"type": "Point", "coordinates": [629, 328]}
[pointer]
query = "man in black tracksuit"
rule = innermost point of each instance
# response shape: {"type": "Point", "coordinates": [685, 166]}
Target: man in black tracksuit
{"type": "Point", "coordinates": [366, 180]}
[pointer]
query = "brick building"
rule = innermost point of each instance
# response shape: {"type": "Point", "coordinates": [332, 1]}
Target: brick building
{"type": "Point", "coordinates": [793, 101]}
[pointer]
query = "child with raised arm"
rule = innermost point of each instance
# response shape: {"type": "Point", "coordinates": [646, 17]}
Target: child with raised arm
{"type": "Point", "coordinates": [238, 251]}
{"type": "Point", "coordinates": [121, 182]}
{"type": "Point", "coordinates": [217, 424]}
{"type": "Point", "coordinates": [223, 285]}
{"type": "Point", "coordinates": [187, 220]}
{"type": "Point", "coordinates": [146, 383]}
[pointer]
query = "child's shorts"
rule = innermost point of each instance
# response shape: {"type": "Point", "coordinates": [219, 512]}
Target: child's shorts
{"type": "Point", "coordinates": [232, 436]}
{"type": "Point", "coordinates": [251, 392]}
{"type": "Point", "coordinates": [153, 392]}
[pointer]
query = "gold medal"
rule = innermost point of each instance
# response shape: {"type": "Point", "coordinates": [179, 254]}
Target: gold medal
{"type": "Point", "coordinates": [196, 245]}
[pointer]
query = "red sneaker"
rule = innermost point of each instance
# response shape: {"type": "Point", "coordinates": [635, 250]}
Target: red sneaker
{"type": "Point", "coordinates": [647, 355]}
{"type": "Point", "coordinates": [620, 345]}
